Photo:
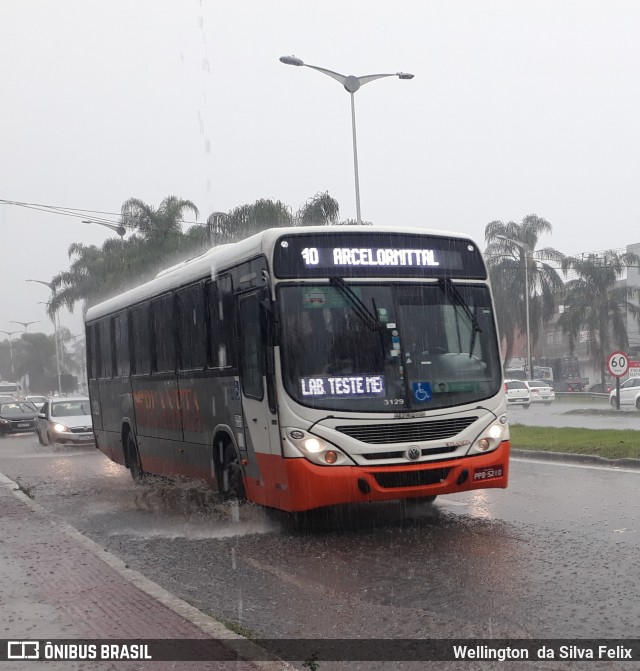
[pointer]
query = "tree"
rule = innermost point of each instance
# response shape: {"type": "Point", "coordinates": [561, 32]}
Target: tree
{"type": "Point", "coordinates": [98, 272]}
{"type": "Point", "coordinates": [246, 220]}
{"type": "Point", "coordinates": [594, 303]}
{"type": "Point", "coordinates": [509, 247]}
{"type": "Point", "coordinates": [321, 210]}
{"type": "Point", "coordinates": [35, 356]}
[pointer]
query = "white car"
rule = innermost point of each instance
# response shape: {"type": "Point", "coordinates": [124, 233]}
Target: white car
{"type": "Point", "coordinates": [38, 401]}
{"type": "Point", "coordinates": [517, 393]}
{"type": "Point", "coordinates": [65, 421]}
{"type": "Point", "coordinates": [629, 393]}
{"type": "Point", "coordinates": [541, 391]}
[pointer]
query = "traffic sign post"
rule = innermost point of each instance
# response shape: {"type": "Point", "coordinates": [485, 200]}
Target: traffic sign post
{"type": "Point", "coordinates": [618, 365]}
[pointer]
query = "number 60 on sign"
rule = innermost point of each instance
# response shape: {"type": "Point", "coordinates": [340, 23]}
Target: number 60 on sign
{"type": "Point", "coordinates": [618, 364]}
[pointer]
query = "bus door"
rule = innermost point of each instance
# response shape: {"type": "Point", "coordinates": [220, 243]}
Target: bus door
{"type": "Point", "coordinates": [265, 476]}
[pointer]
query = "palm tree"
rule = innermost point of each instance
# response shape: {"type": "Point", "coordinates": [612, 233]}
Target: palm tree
{"type": "Point", "coordinates": [509, 247]}
{"type": "Point", "coordinates": [594, 303]}
{"type": "Point", "coordinates": [321, 210]}
{"type": "Point", "coordinates": [85, 279]}
{"type": "Point", "coordinates": [98, 272]}
{"type": "Point", "coordinates": [157, 224]}
{"type": "Point", "coordinates": [247, 220]}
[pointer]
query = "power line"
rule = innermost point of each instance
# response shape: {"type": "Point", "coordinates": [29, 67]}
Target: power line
{"type": "Point", "coordinates": [78, 212]}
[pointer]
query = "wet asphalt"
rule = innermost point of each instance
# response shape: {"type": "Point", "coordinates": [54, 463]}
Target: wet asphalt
{"type": "Point", "coordinates": [553, 556]}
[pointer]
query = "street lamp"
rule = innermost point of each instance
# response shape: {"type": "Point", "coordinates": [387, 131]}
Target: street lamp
{"type": "Point", "coordinates": [120, 230]}
{"type": "Point", "coordinates": [527, 250]}
{"type": "Point", "coordinates": [351, 85]}
{"type": "Point", "coordinates": [25, 325]}
{"type": "Point", "coordinates": [10, 333]}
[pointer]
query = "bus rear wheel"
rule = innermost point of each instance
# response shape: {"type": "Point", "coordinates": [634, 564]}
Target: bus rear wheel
{"type": "Point", "coordinates": [232, 480]}
{"type": "Point", "coordinates": [133, 458]}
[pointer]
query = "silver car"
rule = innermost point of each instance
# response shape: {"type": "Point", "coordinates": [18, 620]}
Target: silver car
{"type": "Point", "coordinates": [541, 391]}
{"type": "Point", "coordinates": [517, 393]}
{"type": "Point", "coordinates": [65, 421]}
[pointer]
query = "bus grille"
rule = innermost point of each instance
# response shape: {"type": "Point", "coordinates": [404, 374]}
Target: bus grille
{"type": "Point", "coordinates": [438, 429]}
{"type": "Point", "coordinates": [426, 452]}
{"type": "Point", "coordinates": [391, 480]}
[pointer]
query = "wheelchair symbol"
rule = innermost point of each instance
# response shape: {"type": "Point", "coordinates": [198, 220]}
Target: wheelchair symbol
{"type": "Point", "coordinates": [421, 392]}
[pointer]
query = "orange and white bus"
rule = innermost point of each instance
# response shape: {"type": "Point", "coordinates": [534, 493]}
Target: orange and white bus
{"type": "Point", "coordinates": [308, 367]}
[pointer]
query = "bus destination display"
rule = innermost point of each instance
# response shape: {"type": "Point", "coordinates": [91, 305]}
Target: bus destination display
{"type": "Point", "coordinates": [367, 255]}
{"type": "Point", "coordinates": [343, 386]}
{"type": "Point", "coordinates": [346, 256]}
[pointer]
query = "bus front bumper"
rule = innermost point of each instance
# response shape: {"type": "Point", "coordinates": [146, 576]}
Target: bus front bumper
{"type": "Point", "coordinates": [310, 486]}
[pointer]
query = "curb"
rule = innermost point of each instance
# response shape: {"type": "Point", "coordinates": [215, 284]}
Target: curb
{"type": "Point", "coordinates": [206, 623]}
{"type": "Point", "coordinates": [577, 458]}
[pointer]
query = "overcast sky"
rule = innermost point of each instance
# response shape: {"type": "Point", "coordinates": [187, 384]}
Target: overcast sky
{"type": "Point", "coordinates": [516, 107]}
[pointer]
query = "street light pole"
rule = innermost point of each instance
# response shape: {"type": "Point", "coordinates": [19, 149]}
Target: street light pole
{"type": "Point", "coordinates": [10, 333]}
{"type": "Point", "coordinates": [56, 323]}
{"type": "Point", "coordinates": [527, 250]}
{"type": "Point", "coordinates": [351, 84]}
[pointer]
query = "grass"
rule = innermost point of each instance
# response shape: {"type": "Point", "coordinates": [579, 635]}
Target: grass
{"type": "Point", "coordinates": [607, 443]}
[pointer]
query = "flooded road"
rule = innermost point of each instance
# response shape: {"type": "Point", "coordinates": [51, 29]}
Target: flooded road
{"type": "Point", "coordinates": [554, 556]}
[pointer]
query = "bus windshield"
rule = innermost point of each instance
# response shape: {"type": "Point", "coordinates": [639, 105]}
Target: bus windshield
{"type": "Point", "coordinates": [388, 348]}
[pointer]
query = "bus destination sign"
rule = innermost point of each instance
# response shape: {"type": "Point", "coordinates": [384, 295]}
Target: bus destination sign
{"type": "Point", "coordinates": [345, 256]}
{"type": "Point", "coordinates": [343, 386]}
{"type": "Point", "coordinates": [370, 255]}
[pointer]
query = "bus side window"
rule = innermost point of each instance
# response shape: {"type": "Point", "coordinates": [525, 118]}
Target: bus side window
{"type": "Point", "coordinates": [251, 347]}
{"type": "Point", "coordinates": [105, 353]}
{"type": "Point", "coordinates": [91, 352]}
{"type": "Point", "coordinates": [222, 332]}
{"type": "Point", "coordinates": [140, 340]}
{"type": "Point", "coordinates": [121, 340]}
{"type": "Point", "coordinates": [191, 328]}
{"type": "Point", "coordinates": [164, 333]}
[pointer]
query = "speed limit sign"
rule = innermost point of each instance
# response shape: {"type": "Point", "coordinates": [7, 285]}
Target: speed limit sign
{"type": "Point", "coordinates": [618, 364]}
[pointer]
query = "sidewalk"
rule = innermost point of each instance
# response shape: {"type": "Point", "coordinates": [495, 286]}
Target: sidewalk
{"type": "Point", "coordinates": [57, 584]}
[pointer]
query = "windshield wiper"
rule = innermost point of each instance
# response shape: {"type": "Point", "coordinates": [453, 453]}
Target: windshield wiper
{"type": "Point", "coordinates": [357, 305]}
{"type": "Point", "coordinates": [451, 290]}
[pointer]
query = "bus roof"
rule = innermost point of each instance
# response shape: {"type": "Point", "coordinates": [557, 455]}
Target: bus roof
{"type": "Point", "coordinates": [219, 258]}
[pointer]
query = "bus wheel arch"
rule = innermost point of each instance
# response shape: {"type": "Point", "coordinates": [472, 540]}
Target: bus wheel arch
{"type": "Point", "coordinates": [228, 469]}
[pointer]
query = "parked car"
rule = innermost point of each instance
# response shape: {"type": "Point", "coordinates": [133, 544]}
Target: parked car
{"type": "Point", "coordinates": [65, 421]}
{"type": "Point", "coordinates": [38, 401]}
{"type": "Point", "coordinates": [17, 417]}
{"type": "Point", "coordinates": [599, 389]}
{"type": "Point", "coordinates": [568, 385]}
{"type": "Point", "coordinates": [629, 393]}
{"type": "Point", "coordinates": [541, 391]}
{"type": "Point", "coordinates": [517, 393]}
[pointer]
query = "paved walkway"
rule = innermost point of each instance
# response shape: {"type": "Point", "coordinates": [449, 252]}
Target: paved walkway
{"type": "Point", "coordinates": [57, 584]}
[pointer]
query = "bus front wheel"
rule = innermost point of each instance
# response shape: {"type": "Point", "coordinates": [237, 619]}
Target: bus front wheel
{"type": "Point", "coordinates": [133, 458]}
{"type": "Point", "coordinates": [232, 480]}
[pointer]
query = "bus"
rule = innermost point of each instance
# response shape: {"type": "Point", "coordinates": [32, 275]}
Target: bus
{"type": "Point", "coordinates": [307, 367]}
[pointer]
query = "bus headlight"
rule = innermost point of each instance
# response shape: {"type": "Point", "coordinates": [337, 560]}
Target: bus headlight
{"type": "Point", "coordinates": [493, 435]}
{"type": "Point", "coordinates": [317, 450]}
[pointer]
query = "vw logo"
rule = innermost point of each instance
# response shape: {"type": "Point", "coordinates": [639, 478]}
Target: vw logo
{"type": "Point", "coordinates": [414, 453]}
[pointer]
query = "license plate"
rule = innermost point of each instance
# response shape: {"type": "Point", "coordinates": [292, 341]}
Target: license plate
{"type": "Point", "coordinates": [488, 472]}
{"type": "Point", "coordinates": [86, 437]}
{"type": "Point", "coordinates": [23, 425]}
